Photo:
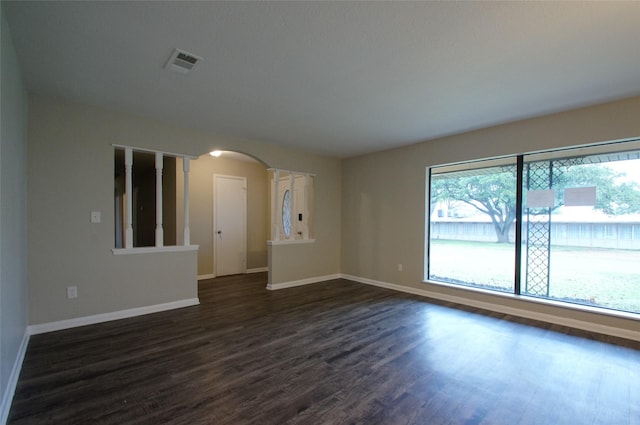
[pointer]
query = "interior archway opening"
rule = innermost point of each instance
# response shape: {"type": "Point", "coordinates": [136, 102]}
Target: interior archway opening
{"type": "Point", "coordinates": [228, 213]}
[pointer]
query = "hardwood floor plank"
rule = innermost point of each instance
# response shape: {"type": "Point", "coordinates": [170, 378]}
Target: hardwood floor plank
{"type": "Point", "coordinates": [336, 352]}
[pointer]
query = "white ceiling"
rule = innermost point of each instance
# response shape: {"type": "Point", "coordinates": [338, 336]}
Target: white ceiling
{"type": "Point", "coordinates": [335, 78]}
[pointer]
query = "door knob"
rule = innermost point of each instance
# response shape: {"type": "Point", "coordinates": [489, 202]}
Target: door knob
{"type": "Point", "coordinates": [219, 232]}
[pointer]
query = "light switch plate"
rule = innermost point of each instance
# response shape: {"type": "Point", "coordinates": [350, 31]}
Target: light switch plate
{"type": "Point", "coordinates": [95, 216]}
{"type": "Point", "coordinates": [72, 292]}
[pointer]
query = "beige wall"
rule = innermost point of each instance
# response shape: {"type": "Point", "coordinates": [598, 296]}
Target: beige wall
{"type": "Point", "coordinates": [13, 255]}
{"type": "Point", "coordinates": [70, 168]}
{"type": "Point", "coordinates": [70, 173]}
{"type": "Point", "coordinates": [368, 211]}
{"type": "Point", "coordinates": [201, 206]}
{"type": "Point", "coordinates": [383, 194]}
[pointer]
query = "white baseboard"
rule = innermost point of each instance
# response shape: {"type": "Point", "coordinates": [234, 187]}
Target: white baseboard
{"type": "Point", "coordinates": [291, 284]}
{"type": "Point", "coordinates": [258, 270]}
{"type": "Point", "coordinates": [10, 389]}
{"type": "Point", "coordinates": [528, 314]}
{"type": "Point", "coordinates": [106, 317]}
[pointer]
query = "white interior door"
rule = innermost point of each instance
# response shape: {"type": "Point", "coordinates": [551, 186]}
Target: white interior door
{"type": "Point", "coordinates": [229, 225]}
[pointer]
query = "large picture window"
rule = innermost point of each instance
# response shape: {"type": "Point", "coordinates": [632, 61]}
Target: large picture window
{"type": "Point", "coordinates": [562, 225]}
{"type": "Point", "coordinates": [471, 208]}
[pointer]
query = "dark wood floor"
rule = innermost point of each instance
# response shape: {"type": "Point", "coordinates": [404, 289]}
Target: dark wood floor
{"type": "Point", "coordinates": [329, 353]}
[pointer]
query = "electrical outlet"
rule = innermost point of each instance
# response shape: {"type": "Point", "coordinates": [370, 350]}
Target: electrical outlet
{"type": "Point", "coordinates": [399, 267]}
{"type": "Point", "coordinates": [72, 292]}
{"type": "Point", "coordinates": [95, 217]}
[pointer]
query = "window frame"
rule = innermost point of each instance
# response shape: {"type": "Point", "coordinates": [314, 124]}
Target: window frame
{"type": "Point", "coordinates": [603, 149]}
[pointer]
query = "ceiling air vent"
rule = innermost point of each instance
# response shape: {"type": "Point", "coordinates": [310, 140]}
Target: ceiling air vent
{"type": "Point", "coordinates": [182, 62]}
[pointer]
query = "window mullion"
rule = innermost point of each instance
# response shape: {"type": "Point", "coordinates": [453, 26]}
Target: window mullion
{"type": "Point", "coordinates": [428, 225]}
{"type": "Point", "coordinates": [518, 227]}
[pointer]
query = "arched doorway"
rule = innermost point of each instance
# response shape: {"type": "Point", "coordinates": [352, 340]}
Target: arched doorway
{"type": "Point", "coordinates": [236, 168]}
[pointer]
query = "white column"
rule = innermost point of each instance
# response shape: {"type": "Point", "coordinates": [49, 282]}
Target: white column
{"type": "Point", "coordinates": [159, 230]}
{"type": "Point", "coordinates": [128, 165]}
{"type": "Point", "coordinates": [187, 231]}
{"type": "Point", "coordinates": [305, 210]}
{"type": "Point", "coordinates": [293, 218]}
{"type": "Point", "coordinates": [275, 232]}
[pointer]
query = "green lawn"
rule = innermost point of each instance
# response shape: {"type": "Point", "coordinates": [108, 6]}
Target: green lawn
{"type": "Point", "coordinates": [603, 277]}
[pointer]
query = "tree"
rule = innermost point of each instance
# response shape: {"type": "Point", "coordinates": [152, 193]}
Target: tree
{"type": "Point", "coordinates": [615, 196]}
{"type": "Point", "coordinates": [492, 191]}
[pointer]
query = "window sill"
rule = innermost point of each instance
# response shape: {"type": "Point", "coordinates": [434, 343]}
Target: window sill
{"type": "Point", "coordinates": [154, 249]}
{"type": "Point", "coordinates": [290, 241]}
{"type": "Point", "coordinates": [543, 301]}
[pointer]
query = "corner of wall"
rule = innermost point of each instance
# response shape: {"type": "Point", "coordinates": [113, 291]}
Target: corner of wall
{"type": "Point", "coordinates": [13, 298]}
